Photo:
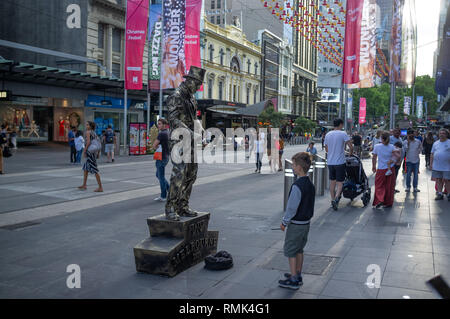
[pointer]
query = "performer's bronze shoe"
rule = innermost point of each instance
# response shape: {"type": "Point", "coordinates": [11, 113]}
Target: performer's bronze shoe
{"type": "Point", "coordinates": [188, 213]}
{"type": "Point", "coordinates": [172, 216]}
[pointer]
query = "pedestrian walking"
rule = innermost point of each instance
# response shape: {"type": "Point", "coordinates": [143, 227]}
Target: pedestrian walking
{"type": "Point", "coordinates": [323, 140]}
{"type": "Point", "coordinates": [335, 144]}
{"type": "Point", "coordinates": [259, 151]}
{"type": "Point", "coordinates": [280, 154]}
{"type": "Point", "coordinates": [357, 141]}
{"type": "Point", "coordinates": [93, 146]}
{"type": "Point", "coordinates": [161, 144]}
{"type": "Point", "coordinates": [413, 149]}
{"type": "Point", "coordinates": [395, 137]}
{"type": "Point", "coordinates": [79, 145]}
{"type": "Point", "coordinates": [109, 139]}
{"type": "Point", "coordinates": [73, 151]}
{"type": "Point", "coordinates": [440, 163]}
{"type": "Point", "coordinates": [376, 139]}
{"type": "Point", "coordinates": [398, 163]}
{"type": "Point", "coordinates": [297, 217]}
{"type": "Point", "coordinates": [384, 184]}
{"type": "Point", "coordinates": [427, 145]}
{"type": "Point", "coordinates": [311, 149]}
{"type": "Point", "coordinates": [3, 145]}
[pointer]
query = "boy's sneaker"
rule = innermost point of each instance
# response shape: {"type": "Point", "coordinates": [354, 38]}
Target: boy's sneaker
{"type": "Point", "coordinates": [287, 275]}
{"type": "Point", "coordinates": [439, 197]}
{"type": "Point", "coordinates": [289, 283]}
{"type": "Point", "coordinates": [407, 190]}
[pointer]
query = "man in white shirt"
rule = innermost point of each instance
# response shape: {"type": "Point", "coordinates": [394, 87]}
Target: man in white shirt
{"type": "Point", "coordinates": [335, 142]}
{"type": "Point", "coordinates": [440, 163]}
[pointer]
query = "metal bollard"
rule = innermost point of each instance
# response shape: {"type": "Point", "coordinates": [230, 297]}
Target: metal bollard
{"type": "Point", "coordinates": [319, 169]}
{"type": "Point", "coordinates": [289, 179]}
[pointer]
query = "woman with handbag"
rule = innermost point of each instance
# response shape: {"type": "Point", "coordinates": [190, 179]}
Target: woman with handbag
{"type": "Point", "coordinates": [93, 146]}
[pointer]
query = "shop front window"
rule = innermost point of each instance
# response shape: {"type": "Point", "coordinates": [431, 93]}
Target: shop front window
{"type": "Point", "coordinates": [103, 119]}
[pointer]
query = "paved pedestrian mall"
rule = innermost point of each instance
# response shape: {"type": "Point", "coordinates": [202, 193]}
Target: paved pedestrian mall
{"type": "Point", "coordinates": [46, 224]}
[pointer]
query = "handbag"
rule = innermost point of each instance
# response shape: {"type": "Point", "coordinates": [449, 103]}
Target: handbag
{"type": "Point", "coordinates": [95, 145]}
{"type": "Point", "coordinates": [6, 152]}
{"type": "Point", "coordinates": [157, 156]}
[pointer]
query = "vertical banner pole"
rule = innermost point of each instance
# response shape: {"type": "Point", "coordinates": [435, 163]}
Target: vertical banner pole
{"type": "Point", "coordinates": [160, 65]}
{"type": "Point", "coordinates": [148, 113]}
{"type": "Point", "coordinates": [391, 111]}
{"type": "Point", "coordinates": [125, 127]}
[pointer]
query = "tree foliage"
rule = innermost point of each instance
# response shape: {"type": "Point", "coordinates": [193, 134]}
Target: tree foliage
{"type": "Point", "coordinates": [271, 117]}
{"type": "Point", "coordinates": [304, 125]}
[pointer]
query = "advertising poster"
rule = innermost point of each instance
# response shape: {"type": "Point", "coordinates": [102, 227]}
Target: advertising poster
{"type": "Point", "coordinates": [352, 41]}
{"type": "Point", "coordinates": [419, 107]}
{"type": "Point", "coordinates": [181, 45]}
{"type": "Point", "coordinates": [143, 139]}
{"type": "Point", "coordinates": [362, 110]}
{"type": "Point", "coordinates": [409, 44]}
{"type": "Point", "coordinates": [134, 139]}
{"type": "Point", "coordinates": [396, 41]}
{"type": "Point", "coordinates": [368, 49]}
{"type": "Point", "coordinates": [407, 105]}
{"type": "Point", "coordinates": [135, 36]}
{"type": "Point", "coordinates": [155, 25]}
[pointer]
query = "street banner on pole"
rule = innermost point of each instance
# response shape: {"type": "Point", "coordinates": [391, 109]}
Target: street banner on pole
{"type": "Point", "coordinates": [443, 63]}
{"type": "Point", "coordinates": [154, 51]}
{"type": "Point", "coordinates": [409, 44]}
{"type": "Point", "coordinates": [407, 105]}
{"type": "Point", "coordinates": [396, 41]}
{"type": "Point", "coordinates": [135, 36]}
{"type": "Point", "coordinates": [368, 50]}
{"type": "Point", "coordinates": [362, 110]}
{"type": "Point", "coordinates": [419, 107]}
{"type": "Point", "coordinates": [181, 40]}
{"type": "Point", "coordinates": [352, 41]}
{"type": "Point", "coordinates": [349, 109]}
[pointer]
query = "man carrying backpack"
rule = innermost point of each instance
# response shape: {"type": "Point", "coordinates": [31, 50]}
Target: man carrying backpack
{"type": "Point", "coordinates": [109, 139]}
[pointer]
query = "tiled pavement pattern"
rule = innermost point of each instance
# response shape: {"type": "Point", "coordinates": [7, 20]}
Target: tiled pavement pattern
{"type": "Point", "coordinates": [410, 242]}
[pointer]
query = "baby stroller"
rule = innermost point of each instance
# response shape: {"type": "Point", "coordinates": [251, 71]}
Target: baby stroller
{"type": "Point", "coordinates": [356, 181]}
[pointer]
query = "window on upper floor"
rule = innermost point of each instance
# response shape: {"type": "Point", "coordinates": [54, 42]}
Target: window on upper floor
{"type": "Point", "coordinates": [116, 69]}
{"type": "Point", "coordinates": [248, 95]}
{"type": "Point", "coordinates": [213, 4]}
{"type": "Point", "coordinates": [249, 64]}
{"type": "Point", "coordinates": [324, 69]}
{"type": "Point", "coordinates": [211, 53]}
{"type": "Point", "coordinates": [212, 19]}
{"type": "Point", "coordinates": [256, 68]}
{"type": "Point", "coordinates": [219, 4]}
{"type": "Point", "coordinates": [221, 90]}
{"type": "Point", "coordinates": [221, 53]}
{"type": "Point", "coordinates": [117, 40]}
{"type": "Point", "coordinates": [285, 81]}
{"type": "Point", "coordinates": [101, 35]}
{"type": "Point", "coordinates": [210, 88]}
{"type": "Point", "coordinates": [217, 19]}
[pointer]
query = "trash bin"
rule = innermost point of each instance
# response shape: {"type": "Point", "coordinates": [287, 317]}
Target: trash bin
{"type": "Point", "coordinates": [289, 179]}
{"type": "Point", "coordinates": [318, 178]}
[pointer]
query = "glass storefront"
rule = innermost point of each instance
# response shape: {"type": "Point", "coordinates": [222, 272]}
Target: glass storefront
{"type": "Point", "coordinates": [115, 119]}
{"type": "Point", "coordinates": [31, 124]}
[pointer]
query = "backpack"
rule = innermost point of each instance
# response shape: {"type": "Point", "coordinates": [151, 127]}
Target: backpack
{"type": "Point", "coordinates": [95, 145]}
{"type": "Point", "coordinates": [109, 137]}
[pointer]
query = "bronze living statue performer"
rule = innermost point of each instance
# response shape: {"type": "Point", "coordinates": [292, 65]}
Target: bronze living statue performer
{"type": "Point", "coordinates": [183, 114]}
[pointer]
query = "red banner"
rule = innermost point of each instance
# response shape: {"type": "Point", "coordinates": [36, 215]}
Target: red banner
{"type": "Point", "coordinates": [362, 110]}
{"type": "Point", "coordinates": [192, 39]}
{"type": "Point", "coordinates": [352, 41]}
{"type": "Point", "coordinates": [135, 35]}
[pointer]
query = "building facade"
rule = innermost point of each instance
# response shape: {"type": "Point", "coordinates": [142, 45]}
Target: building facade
{"type": "Point", "coordinates": [304, 85]}
{"type": "Point", "coordinates": [233, 73]}
{"type": "Point", "coordinates": [53, 85]}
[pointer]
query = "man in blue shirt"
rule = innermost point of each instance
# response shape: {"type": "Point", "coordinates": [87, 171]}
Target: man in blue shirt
{"type": "Point", "coordinates": [73, 151]}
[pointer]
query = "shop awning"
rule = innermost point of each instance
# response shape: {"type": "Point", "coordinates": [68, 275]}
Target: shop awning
{"type": "Point", "coordinates": [224, 109]}
{"type": "Point", "coordinates": [33, 73]}
{"type": "Point", "coordinates": [256, 109]}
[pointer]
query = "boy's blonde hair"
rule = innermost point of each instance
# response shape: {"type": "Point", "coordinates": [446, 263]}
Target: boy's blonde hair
{"type": "Point", "coordinates": [303, 160]}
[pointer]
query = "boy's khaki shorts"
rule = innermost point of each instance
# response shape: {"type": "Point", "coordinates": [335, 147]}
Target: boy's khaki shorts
{"type": "Point", "coordinates": [296, 238]}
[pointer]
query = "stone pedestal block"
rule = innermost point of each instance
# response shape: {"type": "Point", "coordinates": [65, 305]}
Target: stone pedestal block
{"type": "Point", "coordinates": [175, 246]}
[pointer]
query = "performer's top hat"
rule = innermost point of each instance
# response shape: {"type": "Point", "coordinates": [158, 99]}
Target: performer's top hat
{"type": "Point", "coordinates": [196, 73]}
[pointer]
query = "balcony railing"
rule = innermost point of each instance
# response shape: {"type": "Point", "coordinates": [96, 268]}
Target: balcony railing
{"type": "Point", "coordinates": [298, 91]}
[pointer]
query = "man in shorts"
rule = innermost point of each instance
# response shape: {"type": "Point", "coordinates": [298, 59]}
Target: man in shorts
{"type": "Point", "coordinates": [109, 139]}
{"type": "Point", "coordinates": [335, 142]}
{"type": "Point", "coordinates": [440, 163]}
